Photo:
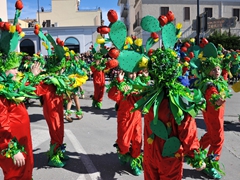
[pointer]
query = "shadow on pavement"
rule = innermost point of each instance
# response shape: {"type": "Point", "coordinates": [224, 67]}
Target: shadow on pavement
{"type": "Point", "coordinates": [106, 164]}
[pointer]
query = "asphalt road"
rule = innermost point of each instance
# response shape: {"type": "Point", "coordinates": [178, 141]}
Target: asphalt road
{"type": "Point", "coordinates": [90, 144]}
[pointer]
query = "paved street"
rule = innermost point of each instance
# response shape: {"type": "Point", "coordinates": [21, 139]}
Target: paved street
{"type": "Point", "coordinates": [90, 144]}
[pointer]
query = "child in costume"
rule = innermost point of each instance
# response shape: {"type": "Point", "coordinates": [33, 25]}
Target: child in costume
{"type": "Point", "coordinates": [170, 130]}
{"type": "Point", "coordinates": [50, 86]}
{"type": "Point", "coordinates": [215, 90]}
{"type": "Point", "coordinates": [129, 124]}
{"type": "Point", "coordinates": [98, 67]}
{"type": "Point", "coordinates": [76, 70]}
{"type": "Point", "coordinates": [16, 156]}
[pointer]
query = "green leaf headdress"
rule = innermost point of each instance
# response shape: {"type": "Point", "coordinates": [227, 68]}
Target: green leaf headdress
{"type": "Point", "coordinates": [10, 34]}
{"type": "Point", "coordinates": [56, 54]}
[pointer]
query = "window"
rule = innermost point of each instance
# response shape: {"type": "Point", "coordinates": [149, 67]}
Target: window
{"type": "Point", "coordinates": [48, 23]}
{"type": "Point", "coordinates": [27, 46]}
{"type": "Point", "coordinates": [236, 12]}
{"type": "Point", "coordinates": [186, 13]}
{"type": "Point", "coordinates": [73, 44]}
{"type": "Point", "coordinates": [209, 12]}
{"type": "Point", "coordinates": [164, 10]}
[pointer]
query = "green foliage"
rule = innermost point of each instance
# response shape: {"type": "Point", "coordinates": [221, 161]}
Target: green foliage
{"type": "Point", "coordinates": [226, 39]}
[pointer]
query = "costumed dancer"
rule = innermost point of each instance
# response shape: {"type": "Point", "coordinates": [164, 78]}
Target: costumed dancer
{"type": "Point", "coordinates": [98, 67]}
{"type": "Point", "coordinates": [129, 124]}
{"type": "Point", "coordinates": [170, 131]}
{"type": "Point", "coordinates": [51, 88]}
{"type": "Point", "coordinates": [215, 90]}
{"type": "Point", "coordinates": [76, 70]}
{"type": "Point", "coordinates": [206, 65]}
{"type": "Point", "coordinates": [16, 156]}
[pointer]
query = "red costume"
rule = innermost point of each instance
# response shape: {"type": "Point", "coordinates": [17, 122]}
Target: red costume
{"type": "Point", "coordinates": [99, 84]}
{"type": "Point", "coordinates": [129, 130]}
{"type": "Point", "coordinates": [53, 112]}
{"type": "Point", "coordinates": [214, 120]}
{"type": "Point", "coordinates": [15, 122]}
{"type": "Point", "coordinates": [168, 168]}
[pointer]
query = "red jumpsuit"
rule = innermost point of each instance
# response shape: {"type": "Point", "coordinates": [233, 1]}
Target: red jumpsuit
{"type": "Point", "coordinates": [53, 112]}
{"type": "Point", "coordinates": [214, 120]}
{"type": "Point", "coordinates": [15, 122]}
{"type": "Point", "coordinates": [129, 124]}
{"type": "Point", "coordinates": [99, 84]}
{"type": "Point", "coordinates": [168, 168]}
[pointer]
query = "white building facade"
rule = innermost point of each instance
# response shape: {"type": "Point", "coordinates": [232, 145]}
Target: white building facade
{"type": "Point", "coordinates": [185, 12]}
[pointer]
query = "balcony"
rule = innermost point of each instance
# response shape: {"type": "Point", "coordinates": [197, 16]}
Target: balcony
{"type": "Point", "coordinates": [124, 13]}
{"type": "Point", "coordinates": [136, 25]}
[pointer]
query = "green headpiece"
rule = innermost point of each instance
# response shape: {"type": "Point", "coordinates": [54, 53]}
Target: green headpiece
{"type": "Point", "coordinates": [209, 64]}
{"type": "Point", "coordinates": [10, 61]}
{"type": "Point", "coordinates": [10, 35]}
{"type": "Point", "coordinates": [56, 55]}
{"type": "Point", "coordinates": [97, 56]}
{"type": "Point", "coordinates": [164, 66]}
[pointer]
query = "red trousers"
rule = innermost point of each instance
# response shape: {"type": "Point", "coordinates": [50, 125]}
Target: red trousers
{"type": "Point", "coordinates": [99, 84]}
{"type": "Point", "coordinates": [214, 120]}
{"type": "Point", "coordinates": [15, 122]}
{"type": "Point", "coordinates": [53, 112]}
{"type": "Point", "coordinates": [129, 124]}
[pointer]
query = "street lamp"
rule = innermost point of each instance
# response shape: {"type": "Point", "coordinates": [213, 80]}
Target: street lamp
{"type": "Point", "coordinates": [198, 24]}
{"type": "Point", "coordinates": [39, 43]}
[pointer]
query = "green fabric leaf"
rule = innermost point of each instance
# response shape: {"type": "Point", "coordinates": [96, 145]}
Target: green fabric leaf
{"type": "Point", "coordinates": [171, 146]}
{"type": "Point", "coordinates": [159, 129]}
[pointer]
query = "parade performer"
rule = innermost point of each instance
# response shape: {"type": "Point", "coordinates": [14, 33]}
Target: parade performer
{"type": "Point", "coordinates": [129, 124]}
{"type": "Point", "coordinates": [98, 68]}
{"type": "Point", "coordinates": [215, 90]}
{"type": "Point", "coordinates": [77, 69]}
{"type": "Point", "coordinates": [170, 131]}
{"type": "Point", "coordinates": [16, 156]}
{"type": "Point", "coordinates": [51, 87]}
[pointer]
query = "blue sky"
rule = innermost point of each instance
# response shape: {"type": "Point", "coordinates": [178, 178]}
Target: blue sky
{"type": "Point", "coordinates": [31, 6]}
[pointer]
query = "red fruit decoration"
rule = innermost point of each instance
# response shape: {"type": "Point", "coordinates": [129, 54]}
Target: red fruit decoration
{"type": "Point", "coordinates": [150, 52]}
{"type": "Point", "coordinates": [163, 20]}
{"type": "Point", "coordinates": [183, 49]}
{"type": "Point", "coordinates": [36, 31]}
{"type": "Point", "coordinates": [154, 35]}
{"type": "Point", "coordinates": [61, 43]}
{"type": "Point", "coordinates": [204, 41]}
{"type": "Point", "coordinates": [58, 40]}
{"type": "Point", "coordinates": [18, 28]}
{"type": "Point", "coordinates": [7, 26]}
{"type": "Point", "coordinates": [187, 45]}
{"type": "Point", "coordinates": [1, 25]}
{"type": "Point", "coordinates": [191, 55]}
{"type": "Point", "coordinates": [113, 53]}
{"type": "Point", "coordinates": [134, 37]}
{"type": "Point", "coordinates": [201, 45]}
{"type": "Point", "coordinates": [103, 29]}
{"type": "Point", "coordinates": [112, 63]}
{"type": "Point", "coordinates": [112, 16]}
{"type": "Point", "coordinates": [187, 59]}
{"type": "Point", "coordinates": [19, 5]}
{"type": "Point", "coordinates": [170, 16]}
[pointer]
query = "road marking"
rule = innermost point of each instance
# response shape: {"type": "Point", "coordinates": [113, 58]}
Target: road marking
{"type": "Point", "coordinates": [91, 169]}
{"type": "Point", "coordinates": [39, 136]}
